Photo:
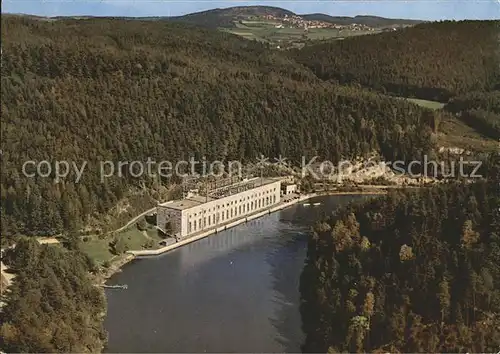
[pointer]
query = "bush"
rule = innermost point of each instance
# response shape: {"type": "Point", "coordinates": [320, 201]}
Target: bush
{"type": "Point", "coordinates": [148, 244]}
{"type": "Point", "coordinates": [142, 225]}
{"type": "Point", "coordinates": [118, 246]}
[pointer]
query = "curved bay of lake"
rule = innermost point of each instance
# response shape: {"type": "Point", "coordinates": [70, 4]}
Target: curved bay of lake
{"type": "Point", "coordinates": [235, 291]}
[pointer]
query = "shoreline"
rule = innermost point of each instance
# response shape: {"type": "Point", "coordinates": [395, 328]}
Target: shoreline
{"type": "Point", "coordinates": [215, 230]}
{"type": "Point", "coordinates": [114, 268]}
{"type": "Point", "coordinates": [129, 256]}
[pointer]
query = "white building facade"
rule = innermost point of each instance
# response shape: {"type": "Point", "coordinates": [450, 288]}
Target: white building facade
{"type": "Point", "coordinates": [196, 214]}
{"type": "Point", "coordinates": [289, 188]}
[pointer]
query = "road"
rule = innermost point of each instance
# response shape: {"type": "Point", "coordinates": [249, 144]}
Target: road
{"type": "Point", "coordinates": [128, 224]}
{"type": "Point", "coordinates": [133, 220]}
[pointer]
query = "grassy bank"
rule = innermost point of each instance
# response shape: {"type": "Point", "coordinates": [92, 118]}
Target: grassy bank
{"type": "Point", "coordinates": [109, 251]}
{"type": "Point", "coordinates": [434, 105]}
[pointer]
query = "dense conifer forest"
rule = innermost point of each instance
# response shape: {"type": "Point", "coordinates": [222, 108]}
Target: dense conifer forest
{"type": "Point", "coordinates": [480, 110]}
{"type": "Point", "coordinates": [102, 89]}
{"type": "Point", "coordinates": [53, 305]}
{"type": "Point", "coordinates": [433, 61]}
{"type": "Point", "coordinates": [411, 272]}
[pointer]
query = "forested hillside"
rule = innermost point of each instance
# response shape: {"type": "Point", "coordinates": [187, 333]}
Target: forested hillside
{"type": "Point", "coordinates": [371, 21]}
{"type": "Point", "coordinates": [102, 89]}
{"type": "Point", "coordinates": [128, 90]}
{"type": "Point", "coordinates": [52, 305]}
{"type": "Point", "coordinates": [411, 272]}
{"type": "Point", "coordinates": [226, 17]}
{"type": "Point", "coordinates": [433, 61]}
{"type": "Point", "coordinates": [480, 110]}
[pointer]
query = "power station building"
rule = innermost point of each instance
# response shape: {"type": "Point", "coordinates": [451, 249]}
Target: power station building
{"type": "Point", "coordinates": [198, 213]}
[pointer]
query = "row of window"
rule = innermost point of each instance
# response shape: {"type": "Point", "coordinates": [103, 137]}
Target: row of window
{"type": "Point", "coordinates": [233, 212]}
{"type": "Point", "coordinates": [241, 200]}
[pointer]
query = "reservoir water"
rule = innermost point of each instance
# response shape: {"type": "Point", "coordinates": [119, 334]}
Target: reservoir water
{"type": "Point", "coordinates": [236, 291]}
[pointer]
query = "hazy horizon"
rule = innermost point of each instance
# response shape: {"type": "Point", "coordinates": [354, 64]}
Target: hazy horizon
{"type": "Point", "coordinates": [429, 10]}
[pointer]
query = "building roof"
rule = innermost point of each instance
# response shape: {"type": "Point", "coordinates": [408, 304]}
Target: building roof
{"type": "Point", "coordinates": [186, 203]}
{"type": "Point", "coordinates": [234, 189]}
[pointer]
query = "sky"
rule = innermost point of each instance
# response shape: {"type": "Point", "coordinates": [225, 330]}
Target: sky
{"type": "Point", "coordinates": [409, 9]}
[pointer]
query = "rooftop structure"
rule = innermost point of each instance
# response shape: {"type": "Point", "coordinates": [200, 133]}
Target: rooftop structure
{"type": "Point", "coordinates": [193, 200]}
{"type": "Point", "coordinates": [198, 213]}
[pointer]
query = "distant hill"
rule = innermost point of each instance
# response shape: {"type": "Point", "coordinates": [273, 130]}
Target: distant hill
{"type": "Point", "coordinates": [433, 61]}
{"type": "Point", "coordinates": [371, 21]}
{"type": "Point", "coordinates": [226, 17]}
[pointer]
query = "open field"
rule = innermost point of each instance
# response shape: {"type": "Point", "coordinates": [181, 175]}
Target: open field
{"type": "Point", "coordinates": [132, 239]}
{"type": "Point", "coordinates": [97, 250]}
{"type": "Point", "coordinates": [427, 104]}
{"type": "Point", "coordinates": [266, 31]}
{"type": "Point", "coordinates": [246, 34]}
{"type": "Point", "coordinates": [455, 133]}
{"type": "Point", "coordinates": [257, 23]}
{"type": "Point", "coordinates": [434, 105]}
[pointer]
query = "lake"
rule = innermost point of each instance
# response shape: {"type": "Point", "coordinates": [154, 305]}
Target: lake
{"type": "Point", "coordinates": [235, 291]}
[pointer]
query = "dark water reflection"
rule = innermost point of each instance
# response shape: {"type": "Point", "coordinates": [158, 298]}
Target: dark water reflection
{"type": "Point", "coordinates": [237, 291]}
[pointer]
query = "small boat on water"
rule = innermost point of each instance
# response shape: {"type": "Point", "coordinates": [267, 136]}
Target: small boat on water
{"type": "Point", "coordinates": [317, 204]}
{"type": "Point", "coordinates": [306, 204]}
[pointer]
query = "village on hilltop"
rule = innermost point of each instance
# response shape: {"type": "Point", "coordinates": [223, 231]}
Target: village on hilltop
{"type": "Point", "coordinates": [295, 21]}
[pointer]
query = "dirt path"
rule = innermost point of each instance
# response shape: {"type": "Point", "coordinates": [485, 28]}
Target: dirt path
{"type": "Point", "coordinates": [133, 220]}
{"type": "Point", "coordinates": [128, 224]}
{"type": "Point", "coordinates": [145, 233]}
